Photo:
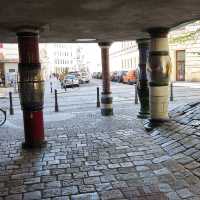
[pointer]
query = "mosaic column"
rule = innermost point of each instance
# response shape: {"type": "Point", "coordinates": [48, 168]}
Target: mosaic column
{"type": "Point", "coordinates": [31, 88]}
{"type": "Point", "coordinates": [142, 82]}
{"type": "Point", "coordinates": [106, 95]}
{"type": "Point", "coordinates": [159, 71]}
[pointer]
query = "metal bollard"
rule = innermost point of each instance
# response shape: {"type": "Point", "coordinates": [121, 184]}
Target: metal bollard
{"type": "Point", "coordinates": [98, 101]}
{"type": "Point", "coordinates": [136, 95]}
{"type": "Point", "coordinates": [11, 104]}
{"type": "Point", "coordinates": [56, 101]}
{"type": "Point", "coordinates": [171, 92]}
{"type": "Point", "coordinates": [51, 87]}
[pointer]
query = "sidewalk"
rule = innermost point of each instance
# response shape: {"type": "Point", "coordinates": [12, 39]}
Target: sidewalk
{"type": "Point", "coordinates": [186, 84]}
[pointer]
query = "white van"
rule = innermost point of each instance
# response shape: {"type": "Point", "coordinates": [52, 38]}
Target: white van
{"type": "Point", "coordinates": [85, 77]}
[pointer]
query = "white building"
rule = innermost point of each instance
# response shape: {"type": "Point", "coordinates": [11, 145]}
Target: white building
{"type": "Point", "coordinates": [64, 57]}
{"type": "Point", "coordinates": [123, 56]}
{"type": "Point", "coordinates": [8, 64]}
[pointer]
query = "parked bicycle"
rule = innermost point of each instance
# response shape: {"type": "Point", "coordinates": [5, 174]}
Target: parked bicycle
{"type": "Point", "coordinates": [2, 116]}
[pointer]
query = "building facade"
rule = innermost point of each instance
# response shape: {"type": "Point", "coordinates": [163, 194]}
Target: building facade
{"type": "Point", "coordinates": [184, 48]}
{"type": "Point", "coordinates": [185, 52]}
{"type": "Point", "coordinates": [8, 65]}
{"type": "Point", "coordinates": [124, 56]}
{"type": "Point", "coordinates": [64, 57]}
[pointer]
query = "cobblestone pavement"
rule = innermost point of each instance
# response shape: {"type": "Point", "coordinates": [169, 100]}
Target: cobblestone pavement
{"type": "Point", "coordinates": [90, 157]}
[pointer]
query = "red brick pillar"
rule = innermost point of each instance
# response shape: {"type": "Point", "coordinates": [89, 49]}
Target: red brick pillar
{"type": "Point", "coordinates": [31, 88]}
{"type": "Point", "coordinates": [159, 71]}
{"type": "Point", "coordinates": [106, 96]}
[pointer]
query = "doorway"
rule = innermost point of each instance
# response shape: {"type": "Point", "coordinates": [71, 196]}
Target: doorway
{"type": "Point", "coordinates": [180, 65]}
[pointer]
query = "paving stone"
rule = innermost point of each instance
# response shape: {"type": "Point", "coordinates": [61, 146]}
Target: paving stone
{"type": "Point", "coordinates": [107, 178]}
{"type": "Point", "coordinates": [70, 190]}
{"type": "Point", "coordinates": [92, 180]}
{"type": "Point", "coordinates": [162, 171]}
{"type": "Point", "coordinates": [111, 194]}
{"type": "Point", "coordinates": [53, 184]}
{"type": "Point", "coordinates": [164, 187]}
{"type": "Point", "coordinates": [184, 193]}
{"type": "Point", "coordinates": [125, 177]}
{"type": "Point", "coordinates": [126, 164]}
{"type": "Point", "coordinates": [86, 188]}
{"type": "Point", "coordinates": [14, 197]}
{"type": "Point", "coordinates": [103, 186]}
{"type": "Point", "coordinates": [32, 195]}
{"type": "Point", "coordinates": [112, 166]}
{"type": "Point", "coordinates": [80, 175]}
{"type": "Point", "coordinates": [142, 162]}
{"type": "Point", "coordinates": [197, 172]}
{"type": "Point", "coordinates": [119, 184]}
{"type": "Point", "coordinates": [51, 192]}
{"type": "Point", "coordinates": [161, 159]}
{"type": "Point", "coordinates": [48, 178]}
{"type": "Point", "coordinates": [61, 198]}
{"type": "Point", "coordinates": [95, 173]}
{"type": "Point", "coordinates": [142, 168]}
{"type": "Point", "coordinates": [63, 177]}
{"type": "Point", "coordinates": [86, 196]}
{"type": "Point", "coordinates": [72, 182]}
{"type": "Point", "coordinates": [17, 189]}
{"type": "Point", "coordinates": [192, 165]}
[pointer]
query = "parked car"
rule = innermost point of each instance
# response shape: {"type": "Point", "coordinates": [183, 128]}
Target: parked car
{"type": "Point", "coordinates": [70, 81]}
{"type": "Point", "coordinates": [84, 77]}
{"type": "Point", "coordinates": [94, 75]}
{"type": "Point", "coordinates": [118, 76]}
{"type": "Point", "coordinates": [113, 76]}
{"type": "Point", "coordinates": [130, 77]}
{"type": "Point", "coordinates": [99, 75]}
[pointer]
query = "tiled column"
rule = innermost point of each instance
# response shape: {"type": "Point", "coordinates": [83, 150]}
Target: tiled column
{"type": "Point", "coordinates": [106, 96]}
{"type": "Point", "coordinates": [31, 88]}
{"type": "Point", "coordinates": [142, 82]}
{"type": "Point", "coordinates": [159, 70]}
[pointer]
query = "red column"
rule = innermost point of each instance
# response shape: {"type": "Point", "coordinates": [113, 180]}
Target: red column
{"type": "Point", "coordinates": [31, 87]}
{"type": "Point", "coordinates": [106, 96]}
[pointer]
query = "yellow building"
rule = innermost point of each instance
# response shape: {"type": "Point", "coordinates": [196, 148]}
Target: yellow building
{"type": "Point", "coordinates": [184, 46]}
{"type": "Point", "coordinates": [185, 52]}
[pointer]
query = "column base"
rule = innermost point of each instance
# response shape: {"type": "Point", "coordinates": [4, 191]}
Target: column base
{"type": "Point", "coordinates": [153, 123]}
{"type": "Point", "coordinates": [98, 104]}
{"type": "Point", "coordinates": [106, 104]}
{"type": "Point", "coordinates": [106, 111]}
{"type": "Point", "coordinates": [41, 144]}
{"type": "Point", "coordinates": [143, 115]}
{"type": "Point", "coordinates": [159, 96]}
{"type": "Point", "coordinates": [34, 129]}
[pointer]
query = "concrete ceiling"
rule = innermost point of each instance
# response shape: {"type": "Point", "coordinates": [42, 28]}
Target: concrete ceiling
{"type": "Point", "coordinates": [104, 20]}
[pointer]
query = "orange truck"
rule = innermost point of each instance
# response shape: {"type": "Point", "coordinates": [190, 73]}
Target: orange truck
{"type": "Point", "coordinates": [130, 77]}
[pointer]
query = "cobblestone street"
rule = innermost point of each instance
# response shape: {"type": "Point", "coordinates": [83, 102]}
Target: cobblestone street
{"type": "Point", "coordinates": [90, 157]}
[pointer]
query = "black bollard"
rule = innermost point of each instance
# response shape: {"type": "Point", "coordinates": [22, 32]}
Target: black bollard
{"type": "Point", "coordinates": [51, 87]}
{"type": "Point", "coordinates": [171, 92]}
{"type": "Point", "coordinates": [136, 95]}
{"type": "Point", "coordinates": [56, 101]}
{"type": "Point", "coordinates": [98, 101]}
{"type": "Point", "coordinates": [11, 104]}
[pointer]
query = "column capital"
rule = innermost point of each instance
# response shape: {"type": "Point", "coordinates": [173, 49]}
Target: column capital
{"type": "Point", "coordinates": [158, 32]}
{"type": "Point", "coordinates": [143, 43]}
{"type": "Point", "coordinates": [27, 32]}
{"type": "Point", "coordinates": [105, 44]}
